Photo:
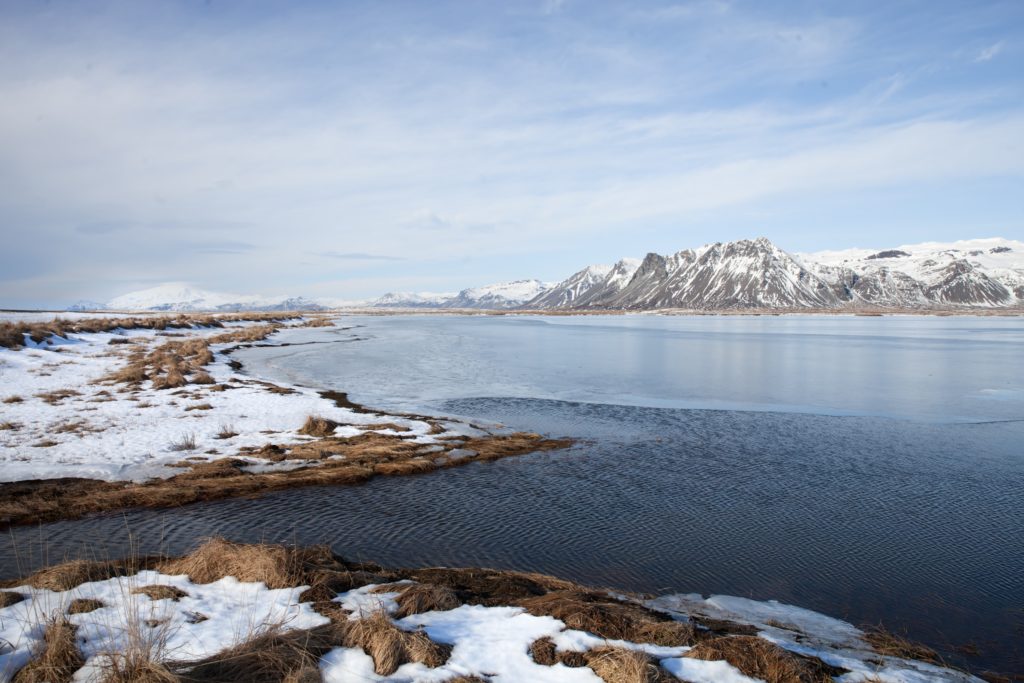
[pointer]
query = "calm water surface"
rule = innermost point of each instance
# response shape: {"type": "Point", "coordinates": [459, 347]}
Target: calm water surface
{"type": "Point", "coordinates": [869, 468]}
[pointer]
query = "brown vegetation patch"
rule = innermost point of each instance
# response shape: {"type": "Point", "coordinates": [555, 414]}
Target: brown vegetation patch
{"type": "Point", "coordinates": [758, 658]}
{"type": "Point", "coordinates": [544, 652]}
{"type": "Point", "coordinates": [318, 426]}
{"type": "Point", "coordinates": [13, 399]}
{"type": "Point", "coordinates": [607, 617]}
{"type": "Point", "coordinates": [55, 397]}
{"type": "Point", "coordinates": [390, 647]}
{"type": "Point", "coordinates": [160, 592]}
{"type": "Point", "coordinates": [8, 598]}
{"type": "Point", "coordinates": [199, 406]}
{"type": "Point", "coordinates": [364, 456]}
{"type": "Point", "coordinates": [84, 605]}
{"type": "Point", "coordinates": [884, 642]}
{"type": "Point", "coordinates": [59, 659]}
{"type": "Point", "coordinates": [9, 426]}
{"type": "Point", "coordinates": [273, 657]}
{"type": "Point", "coordinates": [619, 665]}
{"type": "Point", "coordinates": [416, 598]}
{"type": "Point", "coordinates": [67, 575]}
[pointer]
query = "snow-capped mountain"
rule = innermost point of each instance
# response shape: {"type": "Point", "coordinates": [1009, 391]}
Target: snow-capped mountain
{"type": "Point", "coordinates": [982, 272]}
{"type": "Point", "coordinates": [178, 296]}
{"type": "Point", "coordinates": [589, 287]}
{"type": "Point", "coordinates": [502, 295]}
{"type": "Point", "coordinates": [413, 299]}
{"type": "Point", "coordinates": [758, 274]}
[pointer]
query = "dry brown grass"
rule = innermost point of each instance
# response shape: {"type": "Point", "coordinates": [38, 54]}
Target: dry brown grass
{"type": "Point", "coordinates": [12, 333]}
{"type": "Point", "coordinates": [186, 443]}
{"type": "Point", "coordinates": [9, 426]}
{"type": "Point", "coordinates": [160, 592]}
{"type": "Point", "coordinates": [199, 406]}
{"type": "Point", "coordinates": [84, 605]}
{"type": "Point", "coordinates": [619, 665]}
{"type": "Point", "coordinates": [758, 658]}
{"type": "Point", "coordinates": [13, 399]}
{"type": "Point", "coordinates": [364, 455]}
{"type": "Point", "coordinates": [55, 397]}
{"type": "Point", "coordinates": [416, 598]}
{"type": "Point", "coordinates": [390, 647]}
{"type": "Point", "coordinates": [136, 667]}
{"type": "Point", "coordinates": [544, 652]}
{"type": "Point", "coordinates": [884, 642]}
{"type": "Point", "coordinates": [59, 658]}
{"type": "Point", "coordinates": [8, 598]}
{"type": "Point", "coordinates": [67, 575]}
{"type": "Point", "coordinates": [273, 657]}
{"type": "Point", "coordinates": [609, 618]}
{"type": "Point", "coordinates": [226, 432]}
{"type": "Point", "coordinates": [318, 426]}
{"type": "Point", "coordinates": [273, 565]}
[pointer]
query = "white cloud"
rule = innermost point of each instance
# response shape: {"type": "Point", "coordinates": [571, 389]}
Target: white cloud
{"type": "Point", "coordinates": [989, 52]}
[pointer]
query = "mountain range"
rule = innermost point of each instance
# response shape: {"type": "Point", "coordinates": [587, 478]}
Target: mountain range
{"type": "Point", "coordinates": [745, 274]}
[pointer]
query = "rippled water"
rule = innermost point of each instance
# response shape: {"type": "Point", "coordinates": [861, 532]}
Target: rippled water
{"type": "Point", "coordinates": [872, 469]}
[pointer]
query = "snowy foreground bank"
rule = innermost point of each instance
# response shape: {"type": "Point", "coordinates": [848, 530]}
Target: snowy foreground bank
{"type": "Point", "coordinates": [270, 613]}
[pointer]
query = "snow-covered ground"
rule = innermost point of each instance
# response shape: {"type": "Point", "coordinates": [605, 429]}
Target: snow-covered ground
{"type": "Point", "coordinates": [494, 642]}
{"type": "Point", "coordinates": [112, 431]}
{"type": "Point", "coordinates": [207, 619]}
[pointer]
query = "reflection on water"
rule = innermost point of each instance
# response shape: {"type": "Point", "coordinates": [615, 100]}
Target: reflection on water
{"type": "Point", "coordinates": [913, 522]}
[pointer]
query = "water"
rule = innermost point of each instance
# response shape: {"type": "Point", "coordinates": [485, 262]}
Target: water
{"type": "Point", "coordinates": [868, 468]}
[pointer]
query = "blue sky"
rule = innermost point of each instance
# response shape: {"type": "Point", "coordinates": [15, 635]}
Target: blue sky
{"type": "Point", "coordinates": [347, 149]}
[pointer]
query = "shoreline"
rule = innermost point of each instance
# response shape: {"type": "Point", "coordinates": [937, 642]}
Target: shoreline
{"type": "Point", "coordinates": [304, 437]}
{"type": "Point", "coordinates": [331, 620]}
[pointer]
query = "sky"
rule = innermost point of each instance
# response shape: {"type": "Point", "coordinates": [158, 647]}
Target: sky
{"type": "Point", "coordinates": [346, 149]}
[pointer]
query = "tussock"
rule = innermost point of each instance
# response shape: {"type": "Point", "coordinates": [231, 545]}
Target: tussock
{"type": "Point", "coordinates": [390, 647]}
{"type": "Point", "coordinates": [84, 605]}
{"type": "Point", "coordinates": [619, 665]}
{"type": "Point", "coordinates": [67, 575]}
{"type": "Point", "coordinates": [13, 399]}
{"type": "Point", "coordinates": [55, 397]}
{"type": "Point", "coordinates": [8, 598]}
{"type": "Point", "coordinates": [9, 426]}
{"type": "Point", "coordinates": [160, 592]}
{"type": "Point", "coordinates": [273, 565]}
{"type": "Point", "coordinates": [609, 618]}
{"type": "Point", "coordinates": [185, 443]}
{"type": "Point", "coordinates": [59, 659]}
{"type": "Point", "coordinates": [136, 667]}
{"type": "Point", "coordinates": [202, 377]}
{"type": "Point", "coordinates": [884, 642]}
{"type": "Point", "coordinates": [543, 651]}
{"type": "Point", "coordinates": [416, 598]}
{"type": "Point", "coordinates": [318, 426]}
{"type": "Point", "coordinates": [758, 658]}
{"type": "Point", "coordinates": [226, 432]}
{"type": "Point", "coordinates": [273, 657]}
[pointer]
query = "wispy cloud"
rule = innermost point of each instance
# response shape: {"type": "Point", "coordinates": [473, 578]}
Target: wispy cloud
{"type": "Point", "coordinates": [988, 53]}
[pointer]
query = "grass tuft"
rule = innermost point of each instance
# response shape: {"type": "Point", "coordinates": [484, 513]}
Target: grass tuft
{"type": "Point", "coordinates": [619, 665]}
{"type": "Point", "coordinates": [160, 592]}
{"type": "Point", "coordinates": [84, 605]}
{"type": "Point", "coordinates": [185, 443]}
{"type": "Point", "coordinates": [318, 426]}
{"type": "Point", "coordinates": [59, 658]}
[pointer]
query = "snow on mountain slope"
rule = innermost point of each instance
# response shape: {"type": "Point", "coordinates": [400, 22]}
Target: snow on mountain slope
{"type": "Point", "coordinates": [502, 295]}
{"type": "Point", "coordinates": [413, 299]}
{"type": "Point", "coordinates": [177, 296]}
{"type": "Point", "coordinates": [568, 292]}
{"type": "Point", "coordinates": [590, 287]}
{"type": "Point", "coordinates": [980, 272]}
